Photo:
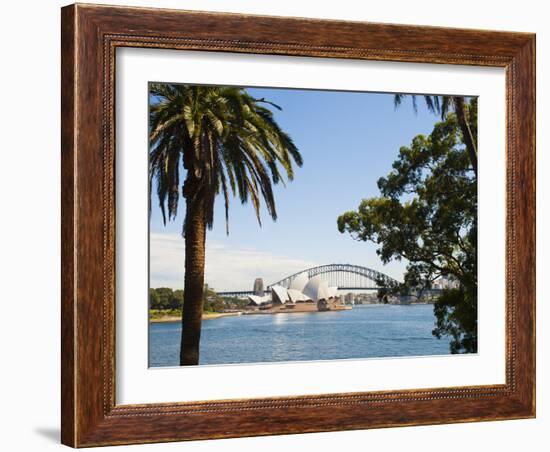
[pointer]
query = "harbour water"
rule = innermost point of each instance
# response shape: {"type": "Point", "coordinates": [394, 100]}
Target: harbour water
{"type": "Point", "coordinates": [369, 331]}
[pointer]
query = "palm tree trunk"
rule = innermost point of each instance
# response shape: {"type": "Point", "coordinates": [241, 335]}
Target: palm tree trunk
{"type": "Point", "coordinates": [195, 235]}
{"type": "Point", "coordinates": [467, 134]}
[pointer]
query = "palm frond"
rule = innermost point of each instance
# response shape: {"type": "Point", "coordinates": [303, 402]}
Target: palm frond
{"type": "Point", "coordinates": [227, 141]}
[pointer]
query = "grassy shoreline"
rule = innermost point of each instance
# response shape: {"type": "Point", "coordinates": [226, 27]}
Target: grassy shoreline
{"type": "Point", "coordinates": [173, 317]}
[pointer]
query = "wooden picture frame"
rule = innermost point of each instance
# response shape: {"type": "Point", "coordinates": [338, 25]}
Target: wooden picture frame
{"type": "Point", "coordinates": [90, 36]}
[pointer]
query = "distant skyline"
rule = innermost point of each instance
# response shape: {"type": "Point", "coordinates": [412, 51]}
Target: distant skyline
{"type": "Point", "coordinates": [348, 140]}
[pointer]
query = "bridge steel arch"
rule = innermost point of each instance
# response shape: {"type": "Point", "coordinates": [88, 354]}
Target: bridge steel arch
{"type": "Point", "coordinates": [369, 273]}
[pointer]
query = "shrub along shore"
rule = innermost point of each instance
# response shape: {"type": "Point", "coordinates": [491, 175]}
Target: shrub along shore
{"type": "Point", "coordinates": [165, 305]}
{"type": "Point", "coordinates": [173, 315]}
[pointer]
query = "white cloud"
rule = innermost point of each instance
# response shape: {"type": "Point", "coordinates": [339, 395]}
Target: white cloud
{"type": "Point", "coordinates": [227, 268]}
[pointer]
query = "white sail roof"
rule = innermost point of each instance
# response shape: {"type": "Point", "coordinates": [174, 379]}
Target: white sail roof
{"type": "Point", "coordinates": [317, 289]}
{"type": "Point", "coordinates": [279, 294]}
{"type": "Point", "coordinates": [296, 295]}
{"type": "Point", "coordinates": [258, 300]}
{"type": "Point", "coordinates": [299, 282]}
{"type": "Point", "coordinates": [332, 291]}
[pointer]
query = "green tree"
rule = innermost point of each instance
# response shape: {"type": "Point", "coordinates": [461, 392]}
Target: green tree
{"type": "Point", "coordinates": [427, 215]}
{"type": "Point", "coordinates": [154, 299]}
{"type": "Point", "coordinates": [222, 141]}
{"type": "Point", "coordinates": [212, 301]}
{"type": "Point", "coordinates": [177, 299]}
{"type": "Point", "coordinates": [164, 296]}
{"type": "Point", "coordinates": [442, 105]}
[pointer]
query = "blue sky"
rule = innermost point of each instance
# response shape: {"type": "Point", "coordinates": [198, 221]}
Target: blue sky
{"type": "Point", "coordinates": [347, 140]}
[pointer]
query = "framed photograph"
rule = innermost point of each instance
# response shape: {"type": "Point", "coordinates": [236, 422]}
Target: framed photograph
{"type": "Point", "coordinates": [281, 225]}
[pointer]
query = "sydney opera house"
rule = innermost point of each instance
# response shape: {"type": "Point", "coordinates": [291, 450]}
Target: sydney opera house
{"type": "Point", "coordinates": [302, 295]}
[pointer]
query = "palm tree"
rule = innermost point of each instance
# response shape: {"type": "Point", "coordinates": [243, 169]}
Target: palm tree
{"type": "Point", "coordinates": [221, 140]}
{"type": "Point", "coordinates": [442, 105]}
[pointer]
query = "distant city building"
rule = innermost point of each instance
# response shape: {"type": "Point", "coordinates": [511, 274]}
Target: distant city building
{"type": "Point", "coordinates": [366, 298]}
{"type": "Point", "coordinates": [349, 298]}
{"type": "Point", "coordinates": [258, 287]}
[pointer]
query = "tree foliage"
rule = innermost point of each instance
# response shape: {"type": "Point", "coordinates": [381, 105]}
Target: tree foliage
{"type": "Point", "coordinates": [426, 214]}
{"type": "Point", "coordinates": [227, 141]}
{"type": "Point", "coordinates": [442, 105]}
{"type": "Point", "coordinates": [456, 316]}
{"type": "Point", "coordinates": [212, 301]}
{"type": "Point", "coordinates": [166, 299]}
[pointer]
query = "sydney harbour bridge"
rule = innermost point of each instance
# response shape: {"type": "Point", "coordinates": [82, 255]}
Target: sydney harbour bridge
{"type": "Point", "coordinates": [343, 276]}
